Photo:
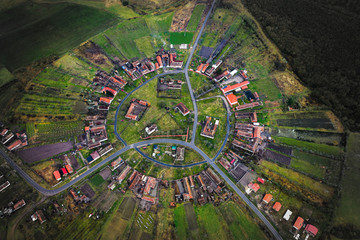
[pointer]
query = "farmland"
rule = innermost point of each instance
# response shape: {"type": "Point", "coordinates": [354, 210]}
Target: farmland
{"type": "Point", "coordinates": [48, 30]}
{"type": "Point", "coordinates": [43, 152]}
{"type": "Point", "coordinates": [347, 215]}
{"type": "Point", "coordinates": [195, 18]}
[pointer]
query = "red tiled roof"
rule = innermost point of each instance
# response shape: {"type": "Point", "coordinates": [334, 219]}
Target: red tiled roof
{"type": "Point", "coordinates": [69, 168]}
{"type": "Point", "coordinates": [64, 172]}
{"type": "Point", "coordinates": [159, 60]}
{"type": "Point", "coordinates": [299, 223]}
{"type": "Point", "coordinates": [57, 175]}
{"type": "Point", "coordinates": [205, 67]}
{"type": "Point", "coordinates": [232, 99]}
{"type": "Point", "coordinates": [105, 100]}
{"type": "Point", "coordinates": [311, 229]}
{"type": "Point", "coordinates": [267, 198]}
{"type": "Point", "coordinates": [156, 65]}
{"type": "Point", "coordinates": [254, 186]}
{"type": "Point", "coordinates": [277, 206]}
{"type": "Point", "coordinates": [234, 87]}
{"type": "Point", "coordinates": [260, 180]}
{"type": "Point", "coordinates": [112, 91]}
{"type": "Point", "coordinates": [199, 67]}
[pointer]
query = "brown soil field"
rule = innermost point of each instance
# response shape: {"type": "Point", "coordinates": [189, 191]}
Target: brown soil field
{"type": "Point", "coordinates": [182, 17]}
{"type": "Point", "coordinates": [45, 170]}
{"type": "Point", "coordinates": [105, 173]}
{"type": "Point", "coordinates": [42, 152]}
{"type": "Point", "coordinates": [88, 191]}
{"type": "Point", "coordinates": [94, 54]}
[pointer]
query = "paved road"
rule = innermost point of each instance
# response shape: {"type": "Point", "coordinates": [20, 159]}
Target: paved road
{"type": "Point", "coordinates": [187, 73]}
{"type": "Point", "coordinates": [136, 146]}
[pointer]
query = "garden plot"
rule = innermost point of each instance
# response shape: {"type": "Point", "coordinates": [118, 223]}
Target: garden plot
{"type": "Point", "coordinates": [88, 191]}
{"type": "Point", "coordinates": [53, 131]}
{"type": "Point", "coordinates": [277, 157]}
{"type": "Point", "coordinates": [94, 54]}
{"type": "Point", "coordinates": [43, 152]}
{"type": "Point", "coordinates": [330, 138]}
{"type": "Point", "coordinates": [282, 149]}
{"type": "Point", "coordinates": [145, 220]}
{"type": "Point", "coordinates": [127, 207]}
{"type": "Point", "coordinates": [76, 67]}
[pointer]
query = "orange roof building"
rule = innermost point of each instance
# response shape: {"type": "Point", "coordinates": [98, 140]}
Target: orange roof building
{"type": "Point", "coordinates": [277, 206]}
{"type": "Point", "coordinates": [235, 87]}
{"type": "Point", "coordinates": [199, 68]}
{"type": "Point", "coordinates": [298, 223]}
{"type": "Point", "coordinates": [57, 175]}
{"type": "Point", "coordinates": [232, 99]}
{"type": "Point", "coordinates": [267, 198]}
{"type": "Point", "coordinates": [69, 168]}
{"type": "Point", "coordinates": [105, 100]}
{"type": "Point", "coordinates": [159, 60]}
{"type": "Point", "coordinates": [254, 186]}
{"type": "Point", "coordinates": [205, 67]}
{"type": "Point", "coordinates": [110, 90]}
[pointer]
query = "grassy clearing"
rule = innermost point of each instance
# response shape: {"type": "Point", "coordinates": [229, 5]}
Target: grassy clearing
{"type": "Point", "coordinates": [181, 226]}
{"type": "Point", "coordinates": [213, 224]}
{"type": "Point", "coordinates": [50, 33]}
{"type": "Point", "coordinates": [348, 211]}
{"type": "Point", "coordinates": [239, 223]}
{"type": "Point", "coordinates": [313, 147]}
{"type": "Point", "coordinates": [195, 18]}
{"type": "Point", "coordinates": [215, 109]}
{"type": "Point", "coordinates": [307, 167]}
{"type": "Point", "coordinates": [5, 76]}
{"type": "Point", "coordinates": [97, 180]}
{"type": "Point", "coordinates": [144, 45]}
{"type": "Point", "coordinates": [301, 179]}
{"type": "Point", "coordinates": [181, 37]}
{"type": "Point", "coordinates": [132, 130]}
{"type": "Point", "coordinates": [75, 66]}
{"type": "Point", "coordinates": [266, 88]}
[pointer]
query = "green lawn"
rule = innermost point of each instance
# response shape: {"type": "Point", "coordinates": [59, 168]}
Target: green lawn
{"type": "Point", "coordinates": [181, 226]}
{"type": "Point", "coordinates": [307, 167]}
{"type": "Point", "coordinates": [211, 222]}
{"type": "Point", "coordinates": [240, 223]}
{"type": "Point", "coordinates": [46, 30]}
{"type": "Point", "coordinates": [181, 37]}
{"type": "Point", "coordinates": [195, 18]}
{"type": "Point", "coordinates": [144, 45]}
{"type": "Point", "coordinates": [97, 180]}
{"type": "Point", "coordinates": [75, 66]}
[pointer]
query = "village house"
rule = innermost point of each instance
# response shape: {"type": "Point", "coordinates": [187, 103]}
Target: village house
{"type": "Point", "coordinates": [277, 206]}
{"type": "Point", "coordinates": [210, 128]}
{"type": "Point", "coordinates": [57, 175]}
{"type": "Point", "coordinates": [136, 109]}
{"type": "Point", "coordinates": [267, 199]}
{"type": "Point", "coordinates": [247, 105]}
{"type": "Point", "coordinates": [252, 187]}
{"type": "Point", "coordinates": [244, 115]}
{"type": "Point", "coordinates": [4, 186]}
{"type": "Point", "coordinates": [287, 215]}
{"type": "Point", "coordinates": [115, 164]}
{"type": "Point", "coordinates": [123, 174]}
{"type": "Point", "coordinates": [236, 87]}
{"type": "Point", "coordinates": [180, 154]}
{"type": "Point", "coordinates": [150, 130]}
{"type": "Point", "coordinates": [298, 223]}
{"type": "Point", "coordinates": [19, 204]}
{"type": "Point", "coordinates": [312, 230]}
{"type": "Point", "coordinates": [182, 108]}
{"type": "Point", "coordinates": [38, 215]}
